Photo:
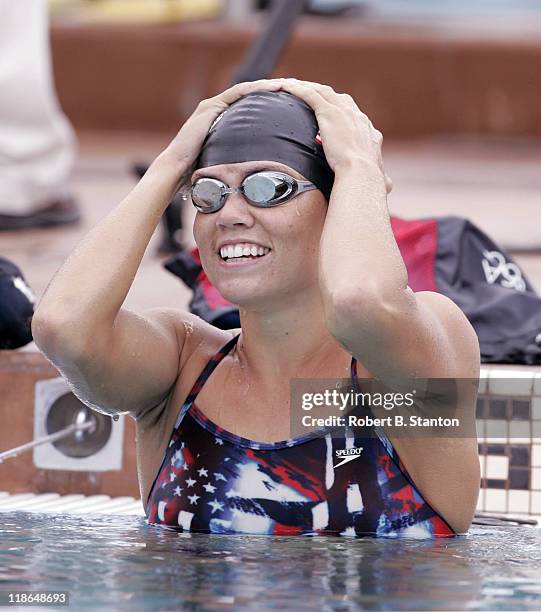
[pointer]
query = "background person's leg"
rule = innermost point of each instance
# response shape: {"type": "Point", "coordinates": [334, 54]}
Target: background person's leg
{"type": "Point", "coordinates": [37, 144]}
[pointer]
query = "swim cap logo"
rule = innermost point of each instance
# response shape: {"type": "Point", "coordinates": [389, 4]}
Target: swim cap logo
{"type": "Point", "coordinates": [217, 120]}
{"type": "Point", "coordinates": [318, 138]}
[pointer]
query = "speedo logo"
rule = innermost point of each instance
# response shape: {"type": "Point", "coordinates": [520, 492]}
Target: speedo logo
{"type": "Point", "coordinates": [317, 138]}
{"type": "Point", "coordinates": [348, 454]}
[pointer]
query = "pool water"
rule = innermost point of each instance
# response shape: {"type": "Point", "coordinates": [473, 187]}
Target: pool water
{"type": "Point", "coordinates": [121, 563]}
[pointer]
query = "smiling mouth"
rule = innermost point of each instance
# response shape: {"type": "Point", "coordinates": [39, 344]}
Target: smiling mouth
{"type": "Point", "coordinates": [237, 254]}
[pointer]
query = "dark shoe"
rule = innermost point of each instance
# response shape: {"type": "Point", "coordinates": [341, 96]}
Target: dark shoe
{"type": "Point", "coordinates": [57, 212]}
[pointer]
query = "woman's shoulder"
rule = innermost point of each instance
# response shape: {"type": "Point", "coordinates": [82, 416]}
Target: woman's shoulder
{"type": "Point", "coordinates": [197, 339]}
{"type": "Point", "coordinates": [198, 342]}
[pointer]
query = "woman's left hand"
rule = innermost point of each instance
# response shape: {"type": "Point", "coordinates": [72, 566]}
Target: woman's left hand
{"type": "Point", "coordinates": [346, 132]}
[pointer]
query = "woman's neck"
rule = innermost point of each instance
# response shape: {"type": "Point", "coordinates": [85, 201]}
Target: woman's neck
{"type": "Point", "coordinates": [290, 342]}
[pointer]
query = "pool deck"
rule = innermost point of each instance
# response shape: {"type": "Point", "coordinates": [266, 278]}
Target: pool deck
{"type": "Point", "coordinates": [495, 183]}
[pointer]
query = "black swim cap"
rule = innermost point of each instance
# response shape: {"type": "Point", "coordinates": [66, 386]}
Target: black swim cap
{"type": "Point", "coordinates": [266, 125]}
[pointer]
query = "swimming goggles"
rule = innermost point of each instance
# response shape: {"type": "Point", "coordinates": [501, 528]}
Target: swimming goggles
{"type": "Point", "coordinates": [261, 189]}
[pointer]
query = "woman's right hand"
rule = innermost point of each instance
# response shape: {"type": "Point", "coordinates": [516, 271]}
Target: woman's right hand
{"type": "Point", "coordinates": [184, 149]}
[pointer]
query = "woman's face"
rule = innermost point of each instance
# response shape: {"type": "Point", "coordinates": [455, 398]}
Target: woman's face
{"type": "Point", "coordinates": [291, 231]}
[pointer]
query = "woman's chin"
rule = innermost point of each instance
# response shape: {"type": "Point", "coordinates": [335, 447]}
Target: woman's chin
{"type": "Point", "coordinates": [251, 294]}
{"type": "Point", "coordinates": [243, 297]}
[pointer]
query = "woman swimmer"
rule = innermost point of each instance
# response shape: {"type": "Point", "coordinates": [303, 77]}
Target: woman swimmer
{"type": "Point", "coordinates": [292, 226]}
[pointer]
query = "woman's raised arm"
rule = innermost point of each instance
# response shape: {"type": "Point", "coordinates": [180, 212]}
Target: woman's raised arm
{"type": "Point", "coordinates": [79, 324]}
{"type": "Point", "coordinates": [114, 359]}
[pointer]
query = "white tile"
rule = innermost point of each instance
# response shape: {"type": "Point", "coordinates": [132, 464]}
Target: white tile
{"type": "Point", "coordinates": [536, 432]}
{"type": "Point", "coordinates": [537, 384]}
{"type": "Point", "coordinates": [483, 465]}
{"type": "Point", "coordinates": [536, 408]}
{"type": "Point", "coordinates": [495, 500]}
{"type": "Point", "coordinates": [536, 455]}
{"type": "Point", "coordinates": [480, 428]}
{"type": "Point", "coordinates": [497, 467]}
{"type": "Point", "coordinates": [496, 431]}
{"type": "Point", "coordinates": [481, 500]}
{"type": "Point", "coordinates": [536, 502]}
{"type": "Point", "coordinates": [483, 378]}
{"type": "Point", "coordinates": [519, 431]}
{"type": "Point", "coordinates": [536, 479]}
{"type": "Point", "coordinates": [518, 501]}
{"type": "Point", "coordinates": [510, 382]}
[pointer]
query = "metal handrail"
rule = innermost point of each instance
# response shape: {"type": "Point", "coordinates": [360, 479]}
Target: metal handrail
{"type": "Point", "coordinates": [62, 433]}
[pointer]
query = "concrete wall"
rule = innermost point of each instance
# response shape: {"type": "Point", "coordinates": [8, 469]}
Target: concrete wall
{"type": "Point", "coordinates": [411, 82]}
{"type": "Point", "coordinates": [19, 372]}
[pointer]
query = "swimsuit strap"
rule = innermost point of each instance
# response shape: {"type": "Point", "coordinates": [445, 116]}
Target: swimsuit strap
{"type": "Point", "coordinates": [215, 360]}
{"type": "Point", "coordinates": [209, 368]}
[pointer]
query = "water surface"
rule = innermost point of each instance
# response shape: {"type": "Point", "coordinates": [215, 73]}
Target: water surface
{"type": "Point", "coordinates": [121, 563]}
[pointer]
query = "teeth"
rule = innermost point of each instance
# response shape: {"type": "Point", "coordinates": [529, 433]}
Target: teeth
{"type": "Point", "coordinates": [231, 251]}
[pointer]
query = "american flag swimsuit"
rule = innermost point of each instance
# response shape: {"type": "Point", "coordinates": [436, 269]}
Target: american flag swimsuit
{"type": "Point", "coordinates": [213, 481]}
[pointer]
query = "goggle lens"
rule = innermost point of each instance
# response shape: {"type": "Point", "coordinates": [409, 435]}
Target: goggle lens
{"type": "Point", "coordinates": [261, 189]}
{"type": "Point", "coordinates": [207, 193]}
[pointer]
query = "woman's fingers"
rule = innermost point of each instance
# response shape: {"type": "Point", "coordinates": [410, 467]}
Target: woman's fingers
{"type": "Point", "coordinates": [321, 98]}
{"type": "Point", "coordinates": [327, 93]}
{"type": "Point", "coordinates": [348, 102]}
{"type": "Point", "coordinates": [218, 103]}
{"type": "Point", "coordinates": [232, 94]}
{"type": "Point", "coordinates": [345, 101]}
{"type": "Point", "coordinates": [186, 145]}
{"type": "Point", "coordinates": [313, 96]}
{"type": "Point", "coordinates": [345, 129]}
{"type": "Point", "coordinates": [312, 93]}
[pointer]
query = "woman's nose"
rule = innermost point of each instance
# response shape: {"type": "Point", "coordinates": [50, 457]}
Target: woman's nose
{"type": "Point", "coordinates": [235, 211]}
